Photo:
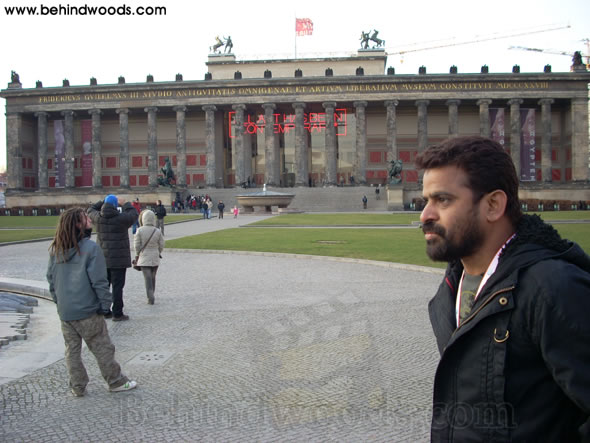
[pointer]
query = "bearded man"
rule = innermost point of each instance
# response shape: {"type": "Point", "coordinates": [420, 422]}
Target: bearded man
{"type": "Point", "coordinates": [511, 314]}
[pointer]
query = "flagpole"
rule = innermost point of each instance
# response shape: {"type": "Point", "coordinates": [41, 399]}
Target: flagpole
{"type": "Point", "coordinates": [295, 13]}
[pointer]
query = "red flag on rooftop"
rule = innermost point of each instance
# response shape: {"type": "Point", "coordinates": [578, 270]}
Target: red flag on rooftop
{"type": "Point", "coordinates": [303, 26]}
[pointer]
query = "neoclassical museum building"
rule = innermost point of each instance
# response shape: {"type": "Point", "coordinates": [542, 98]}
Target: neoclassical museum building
{"type": "Point", "coordinates": [297, 123]}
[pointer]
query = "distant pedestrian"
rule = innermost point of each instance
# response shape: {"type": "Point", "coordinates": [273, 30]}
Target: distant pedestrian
{"type": "Point", "coordinates": [112, 235]}
{"type": "Point", "coordinates": [160, 212]}
{"type": "Point", "coordinates": [209, 207]}
{"type": "Point", "coordinates": [220, 208]}
{"type": "Point", "coordinates": [77, 276]}
{"type": "Point", "coordinates": [377, 193]}
{"type": "Point", "coordinates": [236, 211]}
{"type": "Point", "coordinates": [137, 207]}
{"type": "Point", "coordinates": [365, 200]}
{"type": "Point", "coordinates": [148, 244]}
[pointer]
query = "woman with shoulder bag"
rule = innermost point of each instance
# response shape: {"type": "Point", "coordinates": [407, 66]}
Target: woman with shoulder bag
{"type": "Point", "coordinates": [148, 243]}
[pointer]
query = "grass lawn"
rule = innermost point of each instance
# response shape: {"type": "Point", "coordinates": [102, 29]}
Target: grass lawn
{"type": "Point", "coordinates": [393, 245]}
{"type": "Point", "coordinates": [25, 234]}
{"type": "Point", "coordinates": [563, 215]}
{"type": "Point", "coordinates": [340, 219]}
{"type": "Point", "coordinates": [29, 223]}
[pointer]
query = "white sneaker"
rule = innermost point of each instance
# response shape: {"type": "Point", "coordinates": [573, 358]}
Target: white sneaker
{"type": "Point", "coordinates": [126, 387]}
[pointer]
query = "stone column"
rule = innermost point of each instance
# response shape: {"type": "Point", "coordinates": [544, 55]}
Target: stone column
{"type": "Point", "coordinates": [515, 129]}
{"type": "Point", "coordinates": [391, 123]}
{"type": "Point", "coordinates": [484, 117]}
{"type": "Point", "coordinates": [42, 150]}
{"type": "Point", "coordinates": [580, 171]}
{"type": "Point", "coordinates": [272, 170]}
{"type": "Point", "coordinates": [240, 166]}
{"type": "Point", "coordinates": [181, 147]}
{"type": "Point", "coordinates": [14, 150]}
{"type": "Point", "coordinates": [97, 148]}
{"type": "Point", "coordinates": [422, 106]}
{"type": "Point", "coordinates": [546, 147]}
{"type": "Point", "coordinates": [69, 147]}
{"type": "Point", "coordinates": [301, 154]}
{"type": "Point", "coordinates": [453, 117]}
{"type": "Point", "coordinates": [210, 142]}
{"type": "Point", "coordinates": [152, 146]}
{"type": "Point", "coordinates": [331, 160]}
{"type": "Point", "coordinates": [360, 166]}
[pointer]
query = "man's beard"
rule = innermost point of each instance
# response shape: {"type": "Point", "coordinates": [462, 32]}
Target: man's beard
{"type": "Point", "coordinates": [462, 240]}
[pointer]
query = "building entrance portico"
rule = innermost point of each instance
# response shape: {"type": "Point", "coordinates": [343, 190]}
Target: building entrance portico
{"type": "Point", "coordinates": [300, 131]}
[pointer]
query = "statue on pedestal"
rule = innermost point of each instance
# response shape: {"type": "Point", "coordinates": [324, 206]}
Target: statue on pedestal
{"type": "Point", "coordinates": [218, 44]}
{"type": "Point", "coordinates": [168, 179]}
{"type": "Point", "coordinates": [364, 40]}
{"type": "Point", "coordinates": [367, 37]}
{"type": "Point", "coordinates": [577, 62]}
{"type": "Point", "coordinates": [226, 42]}
{"type": "Point", "coordinates": [228, 45]}
{"type": "Point", "coordinates": [395, 172]}
{"type": "Point", "coordinates": [14, 78]}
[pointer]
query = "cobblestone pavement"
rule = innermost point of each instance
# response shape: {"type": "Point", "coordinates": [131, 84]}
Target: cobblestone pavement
{"type": "Point", "coordinates": [245, 347]}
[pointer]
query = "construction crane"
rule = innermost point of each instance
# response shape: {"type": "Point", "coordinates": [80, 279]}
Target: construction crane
{"type": "Point", "coordinates": [545, 51]}
{"type": "Point", "coordinates": [437, 44]}
{"type": "Point", "coordinates": [555, 52]}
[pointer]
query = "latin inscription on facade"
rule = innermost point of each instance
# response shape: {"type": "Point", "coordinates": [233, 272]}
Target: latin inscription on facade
{"type": "Point", "coordinates": [402, 87]}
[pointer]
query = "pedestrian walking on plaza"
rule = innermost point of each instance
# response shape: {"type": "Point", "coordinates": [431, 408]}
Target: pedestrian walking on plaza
{"type": "Point", "coordinates": [148, 243]}
{"type": "Point", "coordinates": [236, 211]}
{"type": "Point", "coordinates": [365, 200]}
{"type": "Point", "coordinates": [511, 314]}
{"type": "Point", "coordinates": [160, 211]}
{"type": "Point", "coordinates": [112, 235]}
{"type": "Point", "coordinates": [209, 208]}
{"type": "Point", "coordinates": [377, 193]}
{"type": "Point", "coordinates": [137, 207]}
{"type": "Point", "coordinates": [220, 208]}
{"type": "Point", "coordinates": [78, 284]}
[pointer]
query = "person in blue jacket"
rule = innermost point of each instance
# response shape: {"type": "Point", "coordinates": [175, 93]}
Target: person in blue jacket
{"type": "Point", "coordinates": [78, 284]}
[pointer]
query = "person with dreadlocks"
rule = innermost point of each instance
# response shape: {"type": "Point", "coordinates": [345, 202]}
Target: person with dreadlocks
{"type": "Point", "coordinates": [511, 314]}
{"type": "Point", "coordinates": [78, 284]}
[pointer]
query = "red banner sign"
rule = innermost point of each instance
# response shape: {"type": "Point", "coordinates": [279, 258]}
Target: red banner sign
{"type": "Point", "coordinates": [285, 123]}
{"type": "Point", "coordinates": [303, 26]}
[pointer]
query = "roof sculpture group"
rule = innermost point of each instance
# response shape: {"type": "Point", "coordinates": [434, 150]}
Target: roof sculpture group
{"type": "Point", "coordinates": [225, 42]}
{"type": "Point", "coordinates": [367, 37]}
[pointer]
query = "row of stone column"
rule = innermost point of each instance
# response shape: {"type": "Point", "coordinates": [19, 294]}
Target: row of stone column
{"type": "Point", "coordinates": [272, 156]}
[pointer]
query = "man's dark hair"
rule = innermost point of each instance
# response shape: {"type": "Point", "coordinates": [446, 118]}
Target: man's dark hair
{"type": "Point", "coordinates": [488, 166]}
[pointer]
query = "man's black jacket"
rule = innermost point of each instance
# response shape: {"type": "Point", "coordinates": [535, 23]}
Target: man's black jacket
{"type": "Point", "coordinates": [112, 233]}
{"type": "Point", "coordinates": [518, 368]}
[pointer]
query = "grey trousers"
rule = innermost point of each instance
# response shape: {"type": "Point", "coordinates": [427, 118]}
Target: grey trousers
{"type": "Point", "coordinates": [96, 335]}
{"type": "Point", "coordinates": [160, 224]}
{"type": "Point", "coordinates": [149, 277]}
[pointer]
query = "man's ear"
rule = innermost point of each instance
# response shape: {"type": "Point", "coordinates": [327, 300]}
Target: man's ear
{"type": "Point", "coordinates": [495, 205]}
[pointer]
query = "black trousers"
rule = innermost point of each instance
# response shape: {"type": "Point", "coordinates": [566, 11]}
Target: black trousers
{"type": "Point", "coordinates": [116, 278]}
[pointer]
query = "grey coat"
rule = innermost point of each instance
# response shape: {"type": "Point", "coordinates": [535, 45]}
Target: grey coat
{"type": "Point", "coordinates": [150, 255]}
{"type": "Point", "coordinates": [78, 284]}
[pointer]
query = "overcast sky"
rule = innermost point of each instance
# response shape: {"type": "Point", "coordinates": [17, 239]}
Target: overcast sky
{"type": "Point", "coordinates": [51, 48]}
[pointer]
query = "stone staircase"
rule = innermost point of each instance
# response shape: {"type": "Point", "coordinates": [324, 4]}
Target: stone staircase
{"type": "Point", "coordinates": [329, 199]}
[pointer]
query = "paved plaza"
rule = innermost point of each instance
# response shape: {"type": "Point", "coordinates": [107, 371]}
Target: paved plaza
{"type": "Point", "coordinates": [238, 347]}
